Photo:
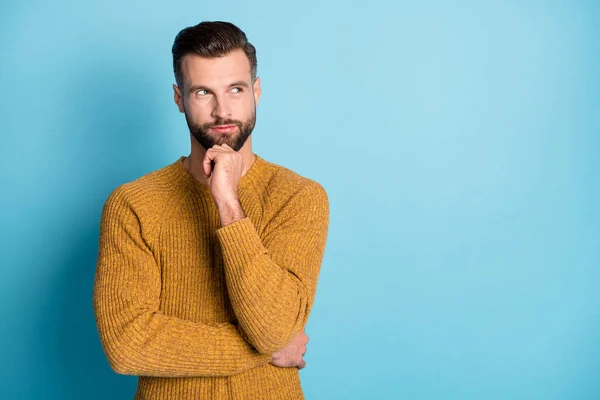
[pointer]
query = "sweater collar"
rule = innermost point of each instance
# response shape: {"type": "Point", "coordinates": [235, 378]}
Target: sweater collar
{"type": "Point", "coordinates": [256, 170]}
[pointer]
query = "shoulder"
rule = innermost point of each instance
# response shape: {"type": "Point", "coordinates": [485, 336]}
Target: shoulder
{"type": "Point", "coordinates": [286, 187]}
{"type": "Point", "coordinates": [146, 197]}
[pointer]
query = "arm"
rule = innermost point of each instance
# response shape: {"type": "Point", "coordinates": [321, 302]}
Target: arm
{"type": "Point", "coordinates": [137, 338]}
{"type": "Point", "coordinates": [272, 282]}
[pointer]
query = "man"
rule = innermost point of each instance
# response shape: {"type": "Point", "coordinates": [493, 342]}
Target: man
{"type": "Point", "coordinates": [207, 268]}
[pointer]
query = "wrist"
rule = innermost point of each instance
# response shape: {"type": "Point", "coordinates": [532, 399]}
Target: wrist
{"type": "Point", "coordinates": [230, 211]}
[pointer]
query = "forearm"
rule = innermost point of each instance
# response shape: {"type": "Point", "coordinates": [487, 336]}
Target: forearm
{"type": "Point", "coordinates": [271, 278]}
{"type": "Point", "coordinates": [278, 291]}
{"type": "Point", "coordinates": [270, 302]}
{"type": "Point", "coordinates": [150, 343]}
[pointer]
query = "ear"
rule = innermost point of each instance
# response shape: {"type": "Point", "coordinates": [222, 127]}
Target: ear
{"type": "Point", "coordinates": [257, 89]}
{"type": "Point", "coordinates": [178, 97]}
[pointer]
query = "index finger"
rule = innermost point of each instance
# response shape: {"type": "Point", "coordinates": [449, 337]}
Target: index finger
{"type": "Point", "coordinates": [206, 163]}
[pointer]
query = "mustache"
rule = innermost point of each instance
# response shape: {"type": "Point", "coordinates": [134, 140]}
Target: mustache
{"type": "Point", "coordinates": [225, 122]}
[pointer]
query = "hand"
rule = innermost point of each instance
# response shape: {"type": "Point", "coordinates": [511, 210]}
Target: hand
{"type": "Point", "coordinates": [291, 356]}
{"type": "Point", "coordinates": [226, 173]}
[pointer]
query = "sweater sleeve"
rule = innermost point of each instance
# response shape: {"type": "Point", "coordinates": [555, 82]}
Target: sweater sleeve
{"type": "Point", "coordinates": [137, 337]}
{"type": "Point", "coordinates": [272, 281]}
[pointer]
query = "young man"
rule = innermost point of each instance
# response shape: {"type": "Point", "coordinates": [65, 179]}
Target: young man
{"type": "Point", "coordinates": [207, 268]}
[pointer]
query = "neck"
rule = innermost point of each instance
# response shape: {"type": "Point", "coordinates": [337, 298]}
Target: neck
{"type": "Point", "coordinates": [193, 162]}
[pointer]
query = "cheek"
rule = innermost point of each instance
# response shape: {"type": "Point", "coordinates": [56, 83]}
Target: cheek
{"type": "Point", "coordinates": [246, 106]}
{"type": "Point", "coordinates": [198, 111]}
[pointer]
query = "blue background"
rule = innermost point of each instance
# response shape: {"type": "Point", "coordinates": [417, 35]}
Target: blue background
{"type": "Point", "coordinates": [458, 142]}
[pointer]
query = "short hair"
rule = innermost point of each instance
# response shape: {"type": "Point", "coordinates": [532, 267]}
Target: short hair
{"type": "Point", "coordinates": [211, 39]}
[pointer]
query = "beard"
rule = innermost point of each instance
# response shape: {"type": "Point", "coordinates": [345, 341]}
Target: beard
{"type": "Point", "coordinates": [234, 140]}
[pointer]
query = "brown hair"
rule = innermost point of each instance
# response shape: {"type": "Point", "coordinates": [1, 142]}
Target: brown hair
{"type": "Point", "coordinates": [211, 39]}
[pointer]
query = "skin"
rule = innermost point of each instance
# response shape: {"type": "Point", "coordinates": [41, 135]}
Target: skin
{"type": "Point", "coordinates": [218, 91]}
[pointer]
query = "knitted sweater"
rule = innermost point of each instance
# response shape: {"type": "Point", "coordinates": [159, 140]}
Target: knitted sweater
{"type": "Point", "coordinates": [196, 309]}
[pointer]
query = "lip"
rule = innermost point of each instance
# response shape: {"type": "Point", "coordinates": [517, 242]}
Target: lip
{"type": "Point", "coordinates": [224, 128]}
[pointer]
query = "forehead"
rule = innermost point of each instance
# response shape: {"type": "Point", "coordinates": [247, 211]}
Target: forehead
{"type": "Point", "coordinates": [219, 71]}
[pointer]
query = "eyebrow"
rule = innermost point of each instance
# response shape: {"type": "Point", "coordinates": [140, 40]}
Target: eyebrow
{"type": "Point", "coordinates": [236, 83]}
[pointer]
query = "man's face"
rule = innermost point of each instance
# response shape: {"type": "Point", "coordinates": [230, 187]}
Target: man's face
{"type": "Point", "coordinates": [216, 93]}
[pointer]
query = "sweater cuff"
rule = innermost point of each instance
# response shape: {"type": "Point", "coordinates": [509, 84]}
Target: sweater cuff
{"type": "Point", "coordinates": [240, 242]}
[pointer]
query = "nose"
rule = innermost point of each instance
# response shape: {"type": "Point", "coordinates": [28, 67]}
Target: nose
{"type": "Point", "coordinates": [222, 110]}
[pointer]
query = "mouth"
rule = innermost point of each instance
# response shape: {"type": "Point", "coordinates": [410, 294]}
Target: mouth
{"type": "Point", "coordinates": [224, 128]}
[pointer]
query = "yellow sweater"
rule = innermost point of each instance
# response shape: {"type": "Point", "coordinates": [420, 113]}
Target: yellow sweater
{"type": "Point", "coordinates": [195, 309]}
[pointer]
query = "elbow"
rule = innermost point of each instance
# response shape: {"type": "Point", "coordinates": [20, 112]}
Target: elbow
{"type": "Point", "coordinates": [119, 362]}
{"type": "Point", "coordinates": [266, 348]}
{"type": "Point", "coordinates": [267, 344]}
{"type": "Point", "coordinates": [268, 339]}
{"type": "Point", "coordinates": [120, 354]}
{"type": "Point", "coordinates": [260, 339]}
{"type": "Point", "coordinates": [120, 368]}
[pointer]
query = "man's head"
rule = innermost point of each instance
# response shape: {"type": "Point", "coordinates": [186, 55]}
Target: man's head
{"type": "Point", "coordinates": [215, 71]}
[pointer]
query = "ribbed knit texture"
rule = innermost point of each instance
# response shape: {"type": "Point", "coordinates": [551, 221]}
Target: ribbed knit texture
{"type": "Point", "coordinates": [196, 309]}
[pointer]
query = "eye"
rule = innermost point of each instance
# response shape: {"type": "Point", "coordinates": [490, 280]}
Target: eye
{"type": "Point", "coordinates": [239, 90]}
{"type": "Point", "coordinates": [202, 92]}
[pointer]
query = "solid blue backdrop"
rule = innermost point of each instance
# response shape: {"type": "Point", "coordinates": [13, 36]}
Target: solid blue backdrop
{"type": "Point", "coordinates": [458, 142]}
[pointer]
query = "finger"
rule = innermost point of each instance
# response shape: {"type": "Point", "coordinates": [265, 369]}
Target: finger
{"type": "Point", "coordinates": [206, 164]}
{"type": "Point", "coordinates": [222, 147]}
{"type": "Point", "coordinates": [218, 147]}
{"type": "Point", "coordinates": [302, 364]}
{"type": "Point", "coordinates": [303, 337]}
